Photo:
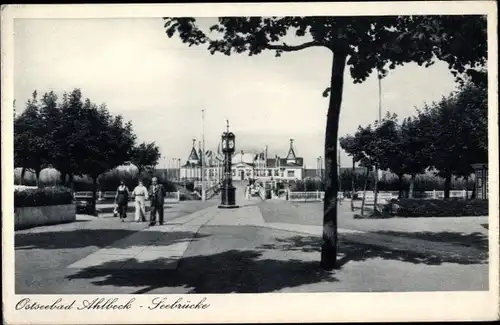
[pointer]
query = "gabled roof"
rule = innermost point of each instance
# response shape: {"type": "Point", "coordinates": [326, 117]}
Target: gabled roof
{"type": "Point", "coordinates": [193, 155]}
{"type": "Point", "coordinates": [291, 154]}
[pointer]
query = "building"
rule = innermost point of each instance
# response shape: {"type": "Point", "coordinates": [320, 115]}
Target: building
{"type": "Point", "coordinates": [244, 165]}
{"type": "Point", "coordinates": [481, 171]}
{"type": "Point", "coordinates": [212, 164]}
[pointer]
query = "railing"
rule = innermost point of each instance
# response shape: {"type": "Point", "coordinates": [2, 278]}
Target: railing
{"type": "Point", "coordinates": [82, 195]}
{"type": "Point", "coordinates": [110, 195]}
{"type": "Point", "coordinates": [173, 196]}
{"type": "Point", "coordinates": [425, 195]}
{"type": "Point", "coordinates": [311, 196]}
{"type": "Point", "coordinates": [305, 196]}
{"type": "Point", "coordinates": [210, 184]}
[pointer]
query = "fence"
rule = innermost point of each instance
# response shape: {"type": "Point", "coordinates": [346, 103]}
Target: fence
{"type": "Point", "coordinates": [426, 195]}
{"type": "Point", "coordinates": [436, 195]}
{"type": "Point", "coordinates": [110, 195]}
{"type": "Point", "coordinates": [208, 184]}
{"type": "Point", "coordinates": [82, 195]}
{"type": "Point", "coordinates": [173, 196]}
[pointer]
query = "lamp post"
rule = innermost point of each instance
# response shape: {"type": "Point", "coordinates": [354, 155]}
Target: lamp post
{"type": "Point", "coordinates": [164, 167]}
{"type": "Point", "coordinates": [203, 193]}
{"type": "Point", "coordinates": [228, 199]}
{"type": "Point", "coordinates": [179, 166]}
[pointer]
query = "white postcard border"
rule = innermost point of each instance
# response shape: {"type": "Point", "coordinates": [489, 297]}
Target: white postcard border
{"type": "Point", "coordinates": [269, 307]}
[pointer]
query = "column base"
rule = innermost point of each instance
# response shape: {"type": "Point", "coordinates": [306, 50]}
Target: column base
{"type": "Point", "coordinates": [224, 206]}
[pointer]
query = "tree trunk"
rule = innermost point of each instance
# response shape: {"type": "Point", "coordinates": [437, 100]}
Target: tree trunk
{"type": "Point", "coordinates": [364, 193]}
{"type": "Point", "coordinates": [70, 182]}
{"type": "Point", "coordinates": [329, 245]}
{"type": "Point", "coordinates": [62, 178]}
{"type": "Point", "coordinates": [473, 194]}
{"type": "Point", "coordinates": [94, 195]}
{"type": "Point", "coordinates": [353, 186]}
{"type": "Point", "coordinates": [23, 171]}
{"type": "Point", "coordinates": [466, 188]}
{"type": "Point", "coordinates": [400, 178]}
{"type": "Point", "coordinates": [37, 177]}
{"type": "Point", "coordinates": [412, 187]}
{"type": "Point", "coordinates": [447, 185]}
{"type": "Point", "coordinates": [375, 190]}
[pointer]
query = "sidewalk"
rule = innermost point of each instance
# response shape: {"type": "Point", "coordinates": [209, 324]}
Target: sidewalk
{"type": "Point", "coordinates": [258, 247]}
{"type": "Point", "coordinates": [162, 247]}
{"type": "Point", "coordinates": [168, 241]}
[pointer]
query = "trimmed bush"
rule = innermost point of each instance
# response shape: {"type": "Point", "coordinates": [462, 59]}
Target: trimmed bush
{"type": "Point", "coordinates": [33, 197]}
{"type": "Point", "coordinates": [309, 185]}
{"type": "Point", "coordinates": [414, 208]}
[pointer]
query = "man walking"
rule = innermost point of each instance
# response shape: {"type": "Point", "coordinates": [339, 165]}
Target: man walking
{"type": "Point", "coordinates": [157, 195]}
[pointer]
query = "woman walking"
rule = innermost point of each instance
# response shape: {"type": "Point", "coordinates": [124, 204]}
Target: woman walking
{"type": "Point", "coordinates": [140, 194]}
{"type": "Point", "coordinates": [121, 200]}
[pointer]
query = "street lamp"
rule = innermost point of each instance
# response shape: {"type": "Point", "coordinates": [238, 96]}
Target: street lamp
{"type": "Point", "coordinates": [203, 192]}
{"type": "Point", "coordinates": [164, 166]}
{"type": "Point", "coordinates": [228, 198]}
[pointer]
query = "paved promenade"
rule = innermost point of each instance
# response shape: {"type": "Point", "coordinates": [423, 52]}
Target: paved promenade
{"type": "Point", "coordinates": [271, 246]}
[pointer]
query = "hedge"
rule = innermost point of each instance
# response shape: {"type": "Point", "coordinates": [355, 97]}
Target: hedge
{"type": "Point", "coordinates": [411, 208]}
{"type": "Point", "coordinates": [33, 197]}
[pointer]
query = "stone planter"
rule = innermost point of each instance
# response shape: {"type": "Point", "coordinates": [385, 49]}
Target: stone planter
{"type": "Point", "coordinates": [43, 215]}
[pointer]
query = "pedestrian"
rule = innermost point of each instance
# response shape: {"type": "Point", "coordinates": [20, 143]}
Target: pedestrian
{"type": "Point", "coordinates": [247, 191]}
{"type": "Point", "coordinates": [121, 200]}
{"type": "Point", "coordinates": [157, 196]}
{"type": "Point", "coordinates": [140, 194]}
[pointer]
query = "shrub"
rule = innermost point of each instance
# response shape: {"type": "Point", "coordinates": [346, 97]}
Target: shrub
{"type": "Point", "coordinates": [411, 208]}
{"type": "Point", "coordinates": [32, 197]}
{"type": "Point", "coordinates": [308, 184]}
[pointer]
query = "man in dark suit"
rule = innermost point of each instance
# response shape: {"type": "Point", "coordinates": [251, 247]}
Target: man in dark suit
{"type": "Point", "coordinates": [157, 196]}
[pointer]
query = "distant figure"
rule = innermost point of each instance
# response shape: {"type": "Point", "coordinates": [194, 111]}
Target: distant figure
{"type": "Point", "coordinates": [157, 195]}
{"type": "Point", "coordinates": [121, 200]}
{"type": "Point", "coordinates": [141, 195]}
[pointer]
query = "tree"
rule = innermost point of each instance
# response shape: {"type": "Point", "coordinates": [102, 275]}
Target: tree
{"type": "Point", "coordinates": [362, 147]}
{"type": "Point", "coordinates": [457, 128]}
{"type": "Point", "coordinates": [364, 43]}
{"type": "Point", "coordinates": [348, 143]}
{"type": "Point", "coordinates": [31, 148]}
{"type": "Point", "coordinates": [108, 142]}
{"type": "Point", "coordinates": [415, 151]}
{"type": "Point", "coordinates": [70, 137]}
{"type": "Point", "coordinates": [145, 156]}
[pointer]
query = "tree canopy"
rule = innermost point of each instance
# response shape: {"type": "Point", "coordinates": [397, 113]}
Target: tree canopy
{"type": "Point", "coordinates": [145, 156]}
{"type": "Point", "coordinates": [75, 136]}
{"type": "Point", "coordinates": [448, 136]}
{"type": "Point", "coordinates": [372, 43]}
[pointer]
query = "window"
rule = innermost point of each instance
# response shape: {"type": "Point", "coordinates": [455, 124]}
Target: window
{"type": "Point", "coordinates": [291, 173]}
{"type": "Point", "coordinates": [276, 172]}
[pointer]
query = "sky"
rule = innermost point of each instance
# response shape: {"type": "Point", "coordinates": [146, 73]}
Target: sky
{"type": "Point", "coordinates": [161, 85]}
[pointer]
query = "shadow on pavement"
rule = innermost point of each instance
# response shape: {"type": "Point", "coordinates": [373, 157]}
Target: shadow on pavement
{"type": "Point", "coordinates": [234, 271]}
{"type": "Point", "coordinates": [352, 251]}
{"type": "Point", "coordinates": [476, 239]}
{"type": "Point", "coordinates": [81, 238]}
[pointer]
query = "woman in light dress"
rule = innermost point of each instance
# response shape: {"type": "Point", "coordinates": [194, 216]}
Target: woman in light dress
{"type": "Point", "coordinates": [141, 196]}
